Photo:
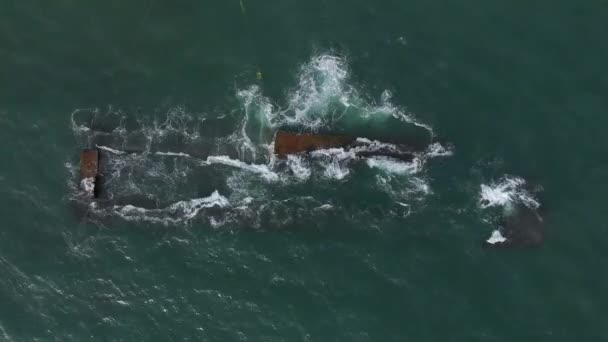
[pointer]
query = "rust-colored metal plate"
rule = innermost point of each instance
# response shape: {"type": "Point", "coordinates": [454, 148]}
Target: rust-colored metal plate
{"type": "Point", "coordinates": [89, 160]}
{"type": "Point", "coordinates": [88, 163]}
{"type": "Point", "coordinates": [288, 142]}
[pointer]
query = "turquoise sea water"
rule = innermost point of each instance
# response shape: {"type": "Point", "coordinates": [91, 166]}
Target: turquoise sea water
{"type": "Point", "coordinates": [202, 235]}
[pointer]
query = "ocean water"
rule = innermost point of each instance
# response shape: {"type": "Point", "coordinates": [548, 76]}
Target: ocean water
{"type": "Point", "coordinates": [202, 234]}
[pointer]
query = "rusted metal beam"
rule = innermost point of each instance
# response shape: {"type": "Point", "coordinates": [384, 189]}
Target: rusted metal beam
{"type": "Point", "coordinates": [89, 163]}
{"type": "Point", "coordinates": [289, 143]}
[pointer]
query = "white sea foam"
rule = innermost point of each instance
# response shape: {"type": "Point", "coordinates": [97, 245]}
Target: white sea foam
{"type": "Point", "coordinates": [394, 166]}
{"type": "Point", "coordinates": [177, 121]}
{"type": "Point", "coordinates": [337, 153]}
{"type": "Point", "coordinates": [334, 170]}
{"type": "Point", "coordinates": [505, 192]}
{"type": "Point", "coordinates": [374, 145]}
{"type": "Point", "coordinates": [297, 166]}
{"type": "Point", "coordinates": [256, 127]}
{"type": "Point", "coordinates": [496, 237]}
{"type": "Point", "coordinates": [262, 170]}
{"type": "Point", "coordinates": [324, 96]}
{"type": "Point", "coordinates": [438, 150]}
{"type": "Point", "coordinates": [88, 185]}
{"type": "Point", "coordinates": [320, 81]}
{"type": "Point", "coordinates": [191, 207]}
{"type": "Point", "coordinates": [178, 212]}
{"type": "Point", "coordinates": [334, 161]}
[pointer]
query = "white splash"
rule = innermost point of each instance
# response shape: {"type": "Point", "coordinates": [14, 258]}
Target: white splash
{"type": "Point", "coordinates": [320, 81]}
{"type": "Point", "coordinates": [374, 145]}
{"type": "Point", "coordinates": [504, 192]}
{"type": "Point", "coordinates": [334, 161]}
{"type": "Point", "coordinates": [324, 96]}
{"type": "Point", "coordinates": [437, 150]}
{"type": "Point", "coordinates": [334, 170]}
{"type": "Point", "coordinates": [88, 185]}
{"type": "Point", "coordinates": [297, 167]}
{"type": "Point", "coordinates": [496, 237]}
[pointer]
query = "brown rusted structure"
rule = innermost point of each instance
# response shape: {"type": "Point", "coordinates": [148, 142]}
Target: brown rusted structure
{"type": "Point", "coordinates": [89, 160]}
{"type": "Point", "coordinates": [288, 142]}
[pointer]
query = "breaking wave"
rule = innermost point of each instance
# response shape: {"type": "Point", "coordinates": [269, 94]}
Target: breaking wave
{"type": "Point", "coordinates": [506, 192]}
{"type": "Point", "coordinates": [155, 167]}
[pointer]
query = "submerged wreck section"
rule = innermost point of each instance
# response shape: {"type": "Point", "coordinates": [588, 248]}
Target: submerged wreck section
{"type": "Point", "coordinates": [89, 164]}
{"type": "Point", "coordinates": [286, 143]}
{"type": "Point", "coordinates": [522, 228]}
{"type": "Point", "coordinates": [290, 143]}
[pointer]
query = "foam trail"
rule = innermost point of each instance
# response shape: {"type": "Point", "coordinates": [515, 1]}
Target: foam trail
{"type": "Point", "coordinates": [262, 170]}
{"type": "Point", "coordinates": [111, 150]}
{"type": "Point", "coordinates": [76, 128]}
{"type": "Point", "coordinates": [178, 212]}
{"type": "Point", "coordinates": [387, 106]}
{"type": "Point", "coordinates": [173, 154]}
{"type": "Point", "coordinates": [170, 154]}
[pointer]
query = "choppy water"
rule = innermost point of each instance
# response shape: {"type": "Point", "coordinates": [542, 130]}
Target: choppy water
{"type": "Point", "coordinates": [201, 233]}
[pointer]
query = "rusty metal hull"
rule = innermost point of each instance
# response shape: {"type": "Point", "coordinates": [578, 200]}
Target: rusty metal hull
{"type": "Point", "coordinates": [289, 143]}
{"type": "Point", "coordinates": [89, 163]}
